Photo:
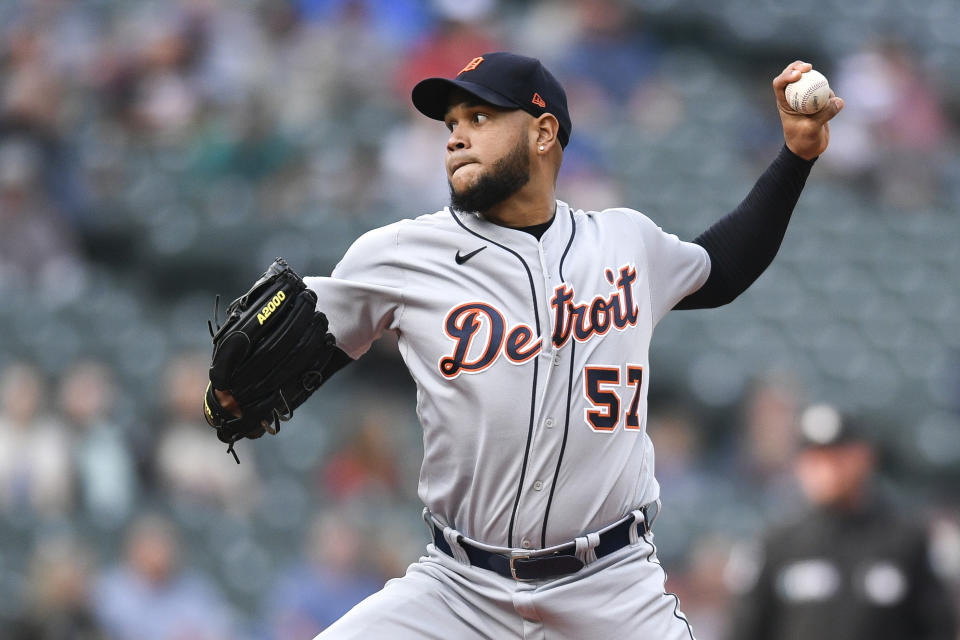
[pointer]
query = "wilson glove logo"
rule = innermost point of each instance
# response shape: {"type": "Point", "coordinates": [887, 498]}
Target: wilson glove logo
{"type": "Point", "coordinates": [206, 405]}
{"type": "Point", "coordinates": [271, 306]}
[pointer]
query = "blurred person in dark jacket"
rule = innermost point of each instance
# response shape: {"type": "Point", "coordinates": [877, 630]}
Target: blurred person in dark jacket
{"type": "Point", "coordinates": [853, 566]}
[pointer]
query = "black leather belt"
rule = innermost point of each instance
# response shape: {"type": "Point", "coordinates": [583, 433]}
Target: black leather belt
{"type": "Point", "coordinates": [562, 561]}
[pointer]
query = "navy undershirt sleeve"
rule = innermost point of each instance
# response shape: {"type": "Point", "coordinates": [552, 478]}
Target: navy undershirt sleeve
{"type": "Point", "coordinates": [338, 361]}
{"type": "Point", "coordinates": [742, 244]}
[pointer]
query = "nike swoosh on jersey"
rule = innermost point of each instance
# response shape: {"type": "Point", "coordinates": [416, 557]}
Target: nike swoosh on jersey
{"type": "Point", "coordinates": [461, 259]}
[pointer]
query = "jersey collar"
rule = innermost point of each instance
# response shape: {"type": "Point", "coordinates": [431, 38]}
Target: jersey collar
{"type": "Point", "coordinates": [558, 232]}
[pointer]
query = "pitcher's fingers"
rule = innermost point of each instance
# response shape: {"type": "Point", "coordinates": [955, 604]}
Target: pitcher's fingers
{"type": "Point", "coordinates": [791, 74]}
{"type": "Point", "coordinates": [829, 111]}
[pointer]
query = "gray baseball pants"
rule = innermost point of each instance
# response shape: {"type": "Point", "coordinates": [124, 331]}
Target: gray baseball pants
{"type": "Point", "coordinates": [618, 597]}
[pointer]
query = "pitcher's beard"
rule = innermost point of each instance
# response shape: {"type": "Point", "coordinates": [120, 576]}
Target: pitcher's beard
{"type": "Point", "coordinates": [508, 175]}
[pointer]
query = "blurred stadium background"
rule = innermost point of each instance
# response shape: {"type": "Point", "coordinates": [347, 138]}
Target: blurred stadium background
{"type": "Point", "coordinates": [155, 153]}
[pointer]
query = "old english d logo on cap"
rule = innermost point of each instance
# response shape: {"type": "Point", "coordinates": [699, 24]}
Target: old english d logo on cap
{"type": "Point", "coordinates": [473, 64]}
{"type": "Point", "coordinates": [504, 80]}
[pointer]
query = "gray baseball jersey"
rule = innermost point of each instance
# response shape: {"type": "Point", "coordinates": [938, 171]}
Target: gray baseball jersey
{"type": "Point", "coordinates": [530, 359]}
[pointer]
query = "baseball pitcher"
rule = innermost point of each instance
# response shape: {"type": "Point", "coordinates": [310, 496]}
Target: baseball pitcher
{"type": "Point", "coordinates": [526, 323]}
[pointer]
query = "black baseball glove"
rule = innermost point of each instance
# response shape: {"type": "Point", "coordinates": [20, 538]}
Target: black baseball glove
{"type": "Point", "coordinates": [269, 355]}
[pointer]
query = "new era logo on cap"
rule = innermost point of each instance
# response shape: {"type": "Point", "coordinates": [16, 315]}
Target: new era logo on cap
{"type": "Point", "coordinates": [504, 80]}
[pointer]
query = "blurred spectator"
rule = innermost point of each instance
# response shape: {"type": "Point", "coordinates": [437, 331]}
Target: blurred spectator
{"type": "Point", "coordinates": [165, 100]}
{"type": "Point", "coordinates": [152, 596]}
{"type": "Point", "coordinates": [853, 566]}
{"type": "Point", "coordinates": [444, 52]}
{"type": "Point", "coordinates": [897, 135]}
{"type": "Point", "coordinates": [33, 98]}
{"type": "Point", "coordinates": [584, 183]}
{"type": "Point", "coordinates": [769, 429]}
{"type": "Point", "coordinates": [312, 595]}
{"type": "Point", "coordinates": [674, 432]}
{"type": "Point", "coordinates": [37, 247]}
{"type": "Point", "coordinates": [689, 488]}
{"type": "Point", "coordinates": [945, 545]}
{"type": "Point", "coordinates": [297, 72]}
{"type": "Point", "coordinates": [247, 146]}
{"type": "Point", "coordinates": [312, 86]}
{"type": "Point", "coordinates": [701, 589]}
{"type": "Point", "coordinates": [192, 463]}
{"type": "Point", "coordinates": [411, 166]}
{"type": "Point", "coordinates": [32, 88]}
{"type": "Point", "coordinates": [35, 468]}
{"type": "Point", "coordinates": [396, 22]}
{"type": "Point", "coordinates": [945, 548]}
{"type": "Point", "coordinates": [610, 51]}
{"type": "Point", "coordinates": [105, 469]}
{"type": "Point", "coordinates": [59, 595]}
{"type": "Point", "coordinates": [366, 466]}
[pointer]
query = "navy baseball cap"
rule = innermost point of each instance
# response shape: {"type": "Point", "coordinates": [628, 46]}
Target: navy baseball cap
{"type": "Point", "coordinates": [503, 80]}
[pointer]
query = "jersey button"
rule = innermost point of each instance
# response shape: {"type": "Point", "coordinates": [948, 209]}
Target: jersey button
{"type": "Point", "coordinates": [525, 544]}
{"type": "Point", "coordinates": [556, 360]}
{"type": "Point", "coordinates": [548, 423]}
{"type": "Point", "coordinates": [537, 485]}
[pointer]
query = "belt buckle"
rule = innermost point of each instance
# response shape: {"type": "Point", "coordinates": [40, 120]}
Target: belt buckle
{"type": "Point", "coordinates": [513, 569]}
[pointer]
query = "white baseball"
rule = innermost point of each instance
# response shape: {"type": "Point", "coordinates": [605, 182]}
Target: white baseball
{"type": "Point", "coordinates": [809, 94]}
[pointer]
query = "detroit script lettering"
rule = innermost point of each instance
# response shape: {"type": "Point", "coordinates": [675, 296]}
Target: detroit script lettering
{"type": "Point", "coordinates": [582, 320]}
